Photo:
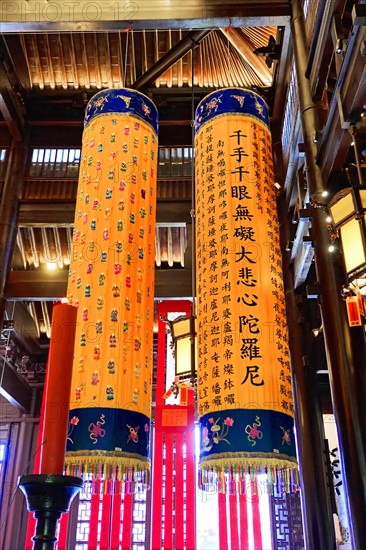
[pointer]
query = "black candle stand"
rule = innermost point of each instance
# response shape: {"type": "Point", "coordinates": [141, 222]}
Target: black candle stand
{"type": "Point", "coordinates": [48, 496]}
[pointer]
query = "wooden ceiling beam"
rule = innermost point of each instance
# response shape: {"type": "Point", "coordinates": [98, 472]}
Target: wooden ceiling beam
{"type": "Point", "coordinates": [11, 107]}
{"type": "Point", "coordinates": [40, 214]}
{"type": "Point", "coordinates": [245, 47]}
{"type": "Point", "coordinates": [346, 105]}
{"type": "Point", "coordinates": [192, 14]}
{"type": "Point", "coordinates": [41, 285]}
{"type": "Point", "coordinates": [18, 59]}
{"type": "Point", "coordinates": [12, 122]}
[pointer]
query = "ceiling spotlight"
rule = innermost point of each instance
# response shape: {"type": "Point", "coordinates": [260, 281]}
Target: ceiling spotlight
{"type": "Point", "coordinates": [328, 219]}
{"type": "Point", "coordinates": [51, 266]}
{"type": "Point", "coordinates": [331, 248]}
{"type": "Point", "coordinates": [325, 193]}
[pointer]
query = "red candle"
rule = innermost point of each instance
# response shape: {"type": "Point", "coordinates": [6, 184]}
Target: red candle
{"type": "Point", "coordinates": [56, 410]}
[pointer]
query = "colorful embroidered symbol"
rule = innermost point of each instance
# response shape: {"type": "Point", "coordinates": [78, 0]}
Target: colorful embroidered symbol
{"type": "Point", "coordinates": [286, 438]}
{"type": "Point", "coordinates": [110, 393]}
{"type": "Point", "coordinates": [253, 432]}
{"type": "Point", "coordinates": [115, 291]}
{"type": "Point", "coordinates": [96, 430]}
{"type": "Point", "coordinates": [133, 434]}
{"type": "Point", "coordinates": [95, 378]}
{"type": "Point", "coordinates": [111, 366]}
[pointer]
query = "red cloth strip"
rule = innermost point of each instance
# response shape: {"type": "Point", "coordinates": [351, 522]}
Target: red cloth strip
{"type": "Point", "coordinates": [93, 523]}
{"type": "Point", "coordinates": [179, 489]}
{"type": "Point", "coordinates": [168, 515]}
{"type": "Point", "coordinates": [234, 526]}
{"type": "Point", "coordinates": [116, 519]}
{"type": "Point", "coordinates": [190, 484]}
{"type": "Point", "coordinates": [244, 538]}
{"type": "Point", "coordinates": [223, 539]}
{"type": "Point", "coordinates": [257, 533]}
{"type": "Point", "coordinates": [127, 521]}
{"type": "Point", "coordinates": [106, 518]}
{"type": "Point", "coordinates": [62, 534]}
{"type": "Point", "coordinates": [157, 487]}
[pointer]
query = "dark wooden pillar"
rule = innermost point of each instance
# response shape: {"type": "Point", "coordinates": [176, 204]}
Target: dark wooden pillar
{"type": "Point", "coordinates": [345, 346]}
{"type": "Point", "coordinates": [9, 209]}
{"type": "Point", "coordinates": [317, 515]}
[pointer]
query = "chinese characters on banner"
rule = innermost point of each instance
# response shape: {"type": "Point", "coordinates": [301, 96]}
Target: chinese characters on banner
{"type": "Point", "coordinates": [112, 282]}
{"type": "Point", "coordinates": [244, 382]}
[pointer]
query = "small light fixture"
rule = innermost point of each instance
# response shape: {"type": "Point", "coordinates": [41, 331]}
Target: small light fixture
{"type": "Point", "coordinates": [51, 266]}
{"type": "Point", "coordinates": [331, 248]}
{"type": "Point", "coordinates": [184, 336]}
{"type": "Point", "coordinates": [325, 194]}
{"type": "Point", "coordinates": [328, 219]}
{"type": "Point", "coordinates": [348, 211]}
{"type": "Point", "coordinates": [317, 331]}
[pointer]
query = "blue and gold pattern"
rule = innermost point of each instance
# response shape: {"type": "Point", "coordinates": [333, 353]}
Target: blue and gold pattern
{"type": "Point", "coordinates": [122, 102]}
{"type": "Point", "coordinates": [238, 101]}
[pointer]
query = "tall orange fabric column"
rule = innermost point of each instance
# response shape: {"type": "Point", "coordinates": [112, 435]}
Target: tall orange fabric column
{"type": "Point", "coordinates": [112, 283]}
{"type": "Point", "coordinates": [244, 380]}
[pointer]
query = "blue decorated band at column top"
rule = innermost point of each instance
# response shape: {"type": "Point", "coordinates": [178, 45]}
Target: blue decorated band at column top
{"type": "Point", "coordinates": [231, 101]}
{"type": "Point", "coordinates": [122, 101]}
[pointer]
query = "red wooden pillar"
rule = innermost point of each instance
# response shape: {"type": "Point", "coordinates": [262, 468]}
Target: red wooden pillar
{"type": "Point", "coordinates": [173, 516]}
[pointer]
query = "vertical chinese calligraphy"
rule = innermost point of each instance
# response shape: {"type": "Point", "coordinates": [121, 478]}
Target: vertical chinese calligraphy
{"type": "Point", "coordinates": [243, 358]}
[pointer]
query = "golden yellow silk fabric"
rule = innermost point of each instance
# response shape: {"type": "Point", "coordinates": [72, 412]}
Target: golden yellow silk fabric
{"type": "Point", "coordinates": [112, 266]}
{"type": "Point", "coordinates": [243, 358]}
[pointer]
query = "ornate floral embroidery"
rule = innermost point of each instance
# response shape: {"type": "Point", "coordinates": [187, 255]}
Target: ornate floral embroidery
{"type": "Point", "coordinates": [286, 438]}
{"type": "Point", "coordinates": [216, 434]}
{"type": "Point", "coordinates": [239, 98]}
{"type": "Point", "coordinates": [99, 103]}
{"type": "Point", "coordinates": [253, 432]}
{"type": "Point", "coordinates": [213, 104]}
{"type": "Point", "coordinates": [96, 430]}
{"type": "Point", "coordinates": [72, 423]}
{"type": "Point", "coordinates": [133, 434]}
{"type": "Point", "coordinates": [146, 109]}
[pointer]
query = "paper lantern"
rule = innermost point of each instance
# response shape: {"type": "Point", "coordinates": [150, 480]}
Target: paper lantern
{"type": "Point", "coordinates": [112, 283]}
{"type": "Point", "coordinates": [244, 381]}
